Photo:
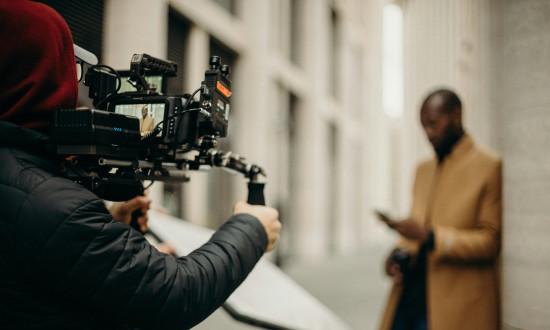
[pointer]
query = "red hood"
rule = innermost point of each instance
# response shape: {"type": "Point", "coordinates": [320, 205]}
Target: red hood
{"type": "Point", "coordinates": [37, 66]}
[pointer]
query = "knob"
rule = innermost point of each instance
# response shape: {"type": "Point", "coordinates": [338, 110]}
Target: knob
{"type": "Point", "coordinates": [215, 62]}
{"type": "Point", "coordinates": [225, 69]}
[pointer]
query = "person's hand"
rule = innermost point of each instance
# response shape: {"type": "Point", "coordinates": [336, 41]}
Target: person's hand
{"type": "Point", "coordinates": [408, 228]}
{"type": "Point", "coordinates": [122, 211]}
{"type": "Point", "coordinates": [393, 270]}
{"type": "Point", "coordinates": [411, 229]}
{"type": "Point", "coordinates": [167, 248]}
{"type": "Point", "coordinates": [269, 218]}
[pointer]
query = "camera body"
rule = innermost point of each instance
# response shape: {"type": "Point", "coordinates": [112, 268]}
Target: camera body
{"type": "Point", "coordinates": [216, 97]}
{"type": "Point", "coordinates": [175, 122]}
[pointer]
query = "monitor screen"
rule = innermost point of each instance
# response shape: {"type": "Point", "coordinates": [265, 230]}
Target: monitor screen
{"type": "Point", "coordinates": [149, 114]}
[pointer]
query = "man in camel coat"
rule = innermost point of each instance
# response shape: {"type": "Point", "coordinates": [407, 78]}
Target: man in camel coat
{"type": "Point", "coordinates": [453, 232]}
{"type": "Point", "coordinates": [146, 124]}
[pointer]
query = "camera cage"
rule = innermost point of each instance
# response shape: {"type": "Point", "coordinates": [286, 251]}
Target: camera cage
{"type": "Point", "coordinates": [105, 150]}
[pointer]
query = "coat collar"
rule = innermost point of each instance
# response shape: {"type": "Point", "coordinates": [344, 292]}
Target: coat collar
{"type": "Point", "coordinates": [12, 135]}
{"type": "Point", "coordinates": [462, 147]}
{"type": "Point", "coordinates": [459, 150]}
{"type": "Point", "coordinates": [35, 144]}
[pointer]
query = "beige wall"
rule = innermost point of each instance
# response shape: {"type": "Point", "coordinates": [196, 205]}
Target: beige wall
{"type": "Point", "coordinates": [522, 99]}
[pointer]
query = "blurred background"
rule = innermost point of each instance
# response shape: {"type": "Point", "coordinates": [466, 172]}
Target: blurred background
{"type": "Point", "coordinates": [326, 97]}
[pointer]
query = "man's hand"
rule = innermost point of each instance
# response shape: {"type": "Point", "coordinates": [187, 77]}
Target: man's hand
{"type": "Point", "coordinates": [167, 248]}
{"type": "Point", "coordinates": [410, 229]}
{"type": "Point", "coordinates": [269, 218]}
{"type": "Point", "coordinates": [393, 270]}
{"type": "Point", "coordinates": [122, 211]}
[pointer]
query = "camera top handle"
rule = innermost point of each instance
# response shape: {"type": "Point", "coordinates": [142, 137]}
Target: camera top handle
{"type": "Point", "coordinates": [144, 63]}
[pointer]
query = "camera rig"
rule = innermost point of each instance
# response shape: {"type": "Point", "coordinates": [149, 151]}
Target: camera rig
{"type": "Point", "coordinates": [111, 151]}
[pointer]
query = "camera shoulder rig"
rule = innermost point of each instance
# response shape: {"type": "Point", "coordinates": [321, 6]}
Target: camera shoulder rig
{"type": "Point", "coordinates": [144, 135]}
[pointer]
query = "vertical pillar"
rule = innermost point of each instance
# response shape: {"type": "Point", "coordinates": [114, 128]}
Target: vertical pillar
{"type": "Point", "coordinates": [376, 174]}
{"type": "Point", "coordinates": [135, 26]}
{"type": "Point", "coordinates": [196, 191]}
{"type": "Point", "coordinates": [311, 209]}
{"type": "Point", "coordinates": [523, 122]}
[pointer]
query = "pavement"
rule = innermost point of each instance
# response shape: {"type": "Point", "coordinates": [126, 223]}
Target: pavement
{"type": "Point", "coordinates": [352, 286]}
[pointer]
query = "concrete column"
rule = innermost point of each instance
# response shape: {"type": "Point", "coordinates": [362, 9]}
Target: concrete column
{"type": "Point", "coordinates": [522, 91]}
{"type": "Point", "coordinates": [311, 213]}
{"type": "Point", "coordinates": [196, 191]}
{"type": "Point", "coordinates": [376, 169]}
{"type": "Point", "coordinates": [135, 26]}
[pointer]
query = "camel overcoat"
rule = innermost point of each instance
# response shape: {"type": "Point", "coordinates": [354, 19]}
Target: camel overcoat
{"type": "Point", "coordinates": [146, 124]}
{"type": "Point", "coordinates": [460, 199]}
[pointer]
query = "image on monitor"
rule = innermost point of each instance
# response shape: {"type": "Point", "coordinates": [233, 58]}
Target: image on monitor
{"type": "Point", "coordinates": [149, 114]}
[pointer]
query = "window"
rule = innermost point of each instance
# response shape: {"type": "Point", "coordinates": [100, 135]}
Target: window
{"type": "Point", "coordinates": [286, 146]}
{"type": "Point", "coordinates": [357, 86]}
{"type": "Point", "coordinates": [333, 54]}
{"type": "Point", "coordinates": [296, 30]}
{"type": "Point", "coordinates": [85, 20]}
{"type": "Point", "coordinates": [229, 5]}
{"type": "Point", "coordinates": [287, 28]}
{"type": "Point", "coordinates": [332, 196]}
{"type": "Point", "coordinates": [178, 33]}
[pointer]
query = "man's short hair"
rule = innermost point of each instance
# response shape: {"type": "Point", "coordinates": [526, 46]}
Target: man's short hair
{"type": "Point", "coordinates": [452, 101]}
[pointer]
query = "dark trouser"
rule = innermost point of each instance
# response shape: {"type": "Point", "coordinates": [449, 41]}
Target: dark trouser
{"type": "Point", "coordinates": [404, 320]}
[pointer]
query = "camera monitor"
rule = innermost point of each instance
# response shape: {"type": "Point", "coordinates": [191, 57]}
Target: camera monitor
{"type": "Point", "coordinates": [149, 114]}
{"type": "Point", "coordinates": [160, 112]}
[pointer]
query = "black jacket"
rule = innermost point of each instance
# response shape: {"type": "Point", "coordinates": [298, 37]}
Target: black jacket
{"type": "Point", "coordinates": [65, 263]}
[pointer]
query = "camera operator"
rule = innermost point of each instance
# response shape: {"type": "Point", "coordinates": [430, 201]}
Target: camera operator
{"type": "Point", "coordinates": [65, 262]}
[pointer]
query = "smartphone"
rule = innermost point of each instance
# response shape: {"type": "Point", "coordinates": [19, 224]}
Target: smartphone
{"type": "Point", "coordinates": [383, 216]}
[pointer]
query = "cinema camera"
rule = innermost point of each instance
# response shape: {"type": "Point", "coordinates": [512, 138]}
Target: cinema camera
{"type": "Point", "coordinates": [109, 151]}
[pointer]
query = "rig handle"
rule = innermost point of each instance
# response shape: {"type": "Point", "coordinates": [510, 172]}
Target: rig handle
{"type": "Point", "coordinates": [256, 193]}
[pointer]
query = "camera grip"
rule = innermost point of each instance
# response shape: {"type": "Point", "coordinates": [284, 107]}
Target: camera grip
{"type": "Point", "coordinates": [256, 193]}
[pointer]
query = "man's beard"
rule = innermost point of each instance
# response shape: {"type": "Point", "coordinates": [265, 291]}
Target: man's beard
{"type": "Point", "coordinates": [448, 143]}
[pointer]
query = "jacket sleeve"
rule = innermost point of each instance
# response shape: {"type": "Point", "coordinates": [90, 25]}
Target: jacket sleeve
{"type": "Point", "coordinates": [80, 253]}
{"type": "Point", "coordinates": [482, 241]}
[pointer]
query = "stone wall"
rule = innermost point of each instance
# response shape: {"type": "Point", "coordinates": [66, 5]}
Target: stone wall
{"type": "Point", "coordinates": [522, 119]}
